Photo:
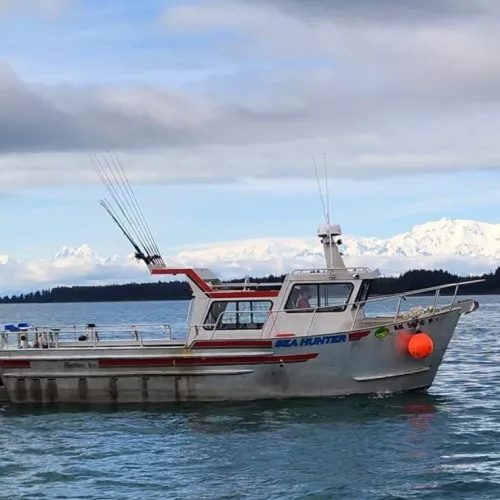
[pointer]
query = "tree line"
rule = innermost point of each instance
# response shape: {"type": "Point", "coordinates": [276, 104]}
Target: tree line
{"type": "Point", "coordinates": [179, 290]}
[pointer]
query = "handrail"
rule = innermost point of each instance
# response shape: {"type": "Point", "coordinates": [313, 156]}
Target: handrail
{"type": "Point", "coordinates": [52, 334]}
{"type": "Point", "coordinates": [415, 292]}
{"type": "Point", "coordinates": [108, 328]}
{"type": "Point", "coordinates": [247, 285]}
{"type": "Point", "coordinates": [382, 297]}
{"type": "Point", "coordinates": [330, 269]}
{"type": "Point", "coordinates": [95, 326]}
{"type": "Point", "coordinates": [214, 327]}
{"type": "Point", "coordinates": [402, 296]}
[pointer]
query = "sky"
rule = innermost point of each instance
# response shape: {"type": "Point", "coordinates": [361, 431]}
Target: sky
{"type": "Point", "coordinates": [216, 109]}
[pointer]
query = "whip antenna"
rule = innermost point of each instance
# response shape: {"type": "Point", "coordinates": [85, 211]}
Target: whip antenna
{"type": "Point", "coordinates": [320, 190]}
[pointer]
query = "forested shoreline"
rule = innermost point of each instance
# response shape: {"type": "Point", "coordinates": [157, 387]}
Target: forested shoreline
{"type": "Point", "coordinates": [179, 290]}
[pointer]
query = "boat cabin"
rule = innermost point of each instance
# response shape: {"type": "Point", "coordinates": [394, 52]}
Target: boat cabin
{"type": "Point", "coordinates": [315, 301]}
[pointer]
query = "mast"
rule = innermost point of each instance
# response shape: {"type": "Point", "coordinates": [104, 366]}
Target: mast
{"type": "Point", "coordinates": [328, 234]}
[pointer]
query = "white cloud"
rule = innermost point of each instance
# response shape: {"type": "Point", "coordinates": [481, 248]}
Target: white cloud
{"type": "Point", "coordinates": [22, 277]}
{"type": "Point", "coordinates": [406, 87]}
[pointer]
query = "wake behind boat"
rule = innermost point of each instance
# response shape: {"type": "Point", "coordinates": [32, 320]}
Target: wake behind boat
{"type": "Point", "coordinates": [308, 338]}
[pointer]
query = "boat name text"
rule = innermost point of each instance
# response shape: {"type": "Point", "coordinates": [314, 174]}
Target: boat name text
{"type": "Point", "coordinates": [80, 364]}
{"type": "Point", "coordinates": [306, 341]}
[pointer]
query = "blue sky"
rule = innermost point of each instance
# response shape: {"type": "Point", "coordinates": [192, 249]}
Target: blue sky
{"type": "Point", "coordinates": [225, 103]}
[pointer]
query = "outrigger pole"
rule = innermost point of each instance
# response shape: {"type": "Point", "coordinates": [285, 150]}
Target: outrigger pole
{"type": "Point", "coordinates": [133, 224]}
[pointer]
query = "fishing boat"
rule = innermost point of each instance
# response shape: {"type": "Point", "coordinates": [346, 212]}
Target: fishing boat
{"type": "Point", "coordinates": [308, 336]}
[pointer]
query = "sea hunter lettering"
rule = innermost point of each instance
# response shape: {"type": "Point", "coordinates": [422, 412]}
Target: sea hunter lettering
{"type": "Point", "coordinates": [306, 341]}
{"type": "Point", "coordinates": [74, 364]}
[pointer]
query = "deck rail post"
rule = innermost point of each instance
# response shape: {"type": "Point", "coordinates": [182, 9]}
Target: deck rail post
{"type": "Point", "coordinates": [311, 322]}
{"type": "Point", "coordinates": [398, 308]}
{"type": "Point", "coordinates": [454, 297]}
{"type": "Point", "coordinates": [355, 317]}
{"type": "Point", "coordinates": [169, 329]}
{"type": "Point", "coordinates": [436, 298]}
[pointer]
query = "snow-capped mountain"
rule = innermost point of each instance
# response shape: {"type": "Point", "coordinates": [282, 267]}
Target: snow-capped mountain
{"type": "Point", "coordinates": [461, 246]}
{"type": "Point", "coordinates": [82, 253]}
{"type": "Point", "coordinates": [255, 249]}
{"type": "Point", "coordinates": [445, 237]}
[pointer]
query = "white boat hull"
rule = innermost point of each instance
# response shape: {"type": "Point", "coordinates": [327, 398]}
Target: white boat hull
{"type": "Point", "coordinates": [336, 364]}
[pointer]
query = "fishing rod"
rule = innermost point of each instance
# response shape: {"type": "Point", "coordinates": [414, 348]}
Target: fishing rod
{"type": "Point", "coordinates": [133, 223]}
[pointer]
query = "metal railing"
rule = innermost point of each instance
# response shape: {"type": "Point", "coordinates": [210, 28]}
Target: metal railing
{"type": "Point", "coordinates": [50, 337]}
{"type": "Point", "coordinates": [400, 296]}
{"type": "Point", "coordinates": [247, 285]}
{"type": "Point", "coordinates": [272, 314]}
{"type": "Point", "coordinates": [332, 269]}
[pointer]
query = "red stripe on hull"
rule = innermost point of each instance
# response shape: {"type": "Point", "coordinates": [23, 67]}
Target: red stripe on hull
{"type": "Point", "coordinates": [15, 363]}
{"type": "Point", "coordinates": [358, 335]}
{"type": "Point", "coordinates": [226, 344]}
{"type": "Point", "coordinates": [250, 360]}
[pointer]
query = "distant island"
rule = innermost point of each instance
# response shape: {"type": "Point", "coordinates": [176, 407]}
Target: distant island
{"type": "Point", "coordinates": [179, 290]}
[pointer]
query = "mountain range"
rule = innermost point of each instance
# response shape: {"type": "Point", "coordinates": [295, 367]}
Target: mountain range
{"type": "Point", "coordinates": [460, 246]}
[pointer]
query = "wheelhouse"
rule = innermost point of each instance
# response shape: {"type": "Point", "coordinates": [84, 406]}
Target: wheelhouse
{"type": "Point", "coordinates": [327, 300]}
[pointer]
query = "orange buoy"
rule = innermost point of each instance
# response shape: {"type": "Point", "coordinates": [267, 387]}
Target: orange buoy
{"type": "Point", "coordinates": [420, 346]}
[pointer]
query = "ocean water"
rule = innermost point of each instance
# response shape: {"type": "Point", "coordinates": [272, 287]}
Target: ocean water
{"type": "Point", "coordinates": [443, 444]}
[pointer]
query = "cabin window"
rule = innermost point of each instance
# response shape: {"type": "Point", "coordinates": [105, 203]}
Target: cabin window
{"type": "Point", "coordinates": [364, 292]}
{"type": "Point", "coordinates": [238, 315]}
{"type": "Point", "coordinates": [327, 296]}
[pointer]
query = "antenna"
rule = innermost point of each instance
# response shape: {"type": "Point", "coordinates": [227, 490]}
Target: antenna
{"type": "Point", "coordinates": [325, 206]}
{"type": "Point", "coordinates": [133, 225]}
{"type": "Point", "coordinates": [325, 213]}
{"type": "Point", "coordinates": [328, 210]}
{"type": "Point", "coordinates": [327, 191]}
